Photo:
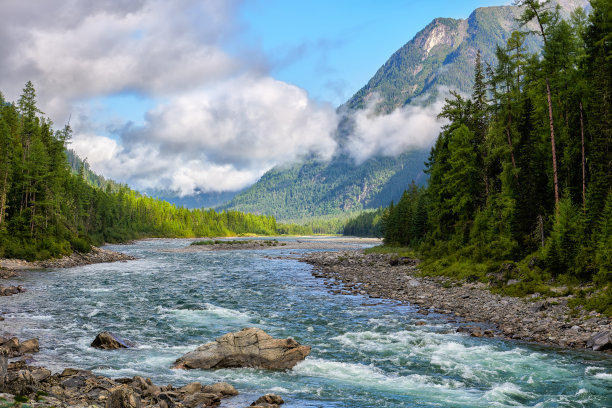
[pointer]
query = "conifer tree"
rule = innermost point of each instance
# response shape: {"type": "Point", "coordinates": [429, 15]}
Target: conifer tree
{"type": "Point", "coordinates": [539, 10]}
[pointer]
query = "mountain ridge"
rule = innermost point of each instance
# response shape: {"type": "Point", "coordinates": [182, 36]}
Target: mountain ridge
{"type": "Point", "coordinates": [440, 56]}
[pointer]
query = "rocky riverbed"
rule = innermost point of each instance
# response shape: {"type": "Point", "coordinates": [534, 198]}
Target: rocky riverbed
{"type": "Point", "coordinates": [311, 243]}
{"type": "Point", "coordinates": [548, 321]}
{"type": "Point", "coordinates": [9, 267]}
{"type": "Point", "coordinates": [39, 387]}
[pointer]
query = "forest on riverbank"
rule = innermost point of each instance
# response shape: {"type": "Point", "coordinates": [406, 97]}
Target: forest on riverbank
{"type": "Point", "coordinates": [46, 210]}
{"type": "Point", "coordinates": [520, 177]}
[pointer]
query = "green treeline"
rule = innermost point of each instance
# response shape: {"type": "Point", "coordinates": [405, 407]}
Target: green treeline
{"type": "Point", "coordinates": [47, 211]}
{"type": "Point", "coordinates": [522, 172]}
{"type": "Point", "coordinates": [366, 224]}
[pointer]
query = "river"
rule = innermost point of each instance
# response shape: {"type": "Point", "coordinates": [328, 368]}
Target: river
{"type": "Point", "coordinates": [365, 352]}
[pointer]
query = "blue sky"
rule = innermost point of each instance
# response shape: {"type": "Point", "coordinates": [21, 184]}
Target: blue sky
{"type": "Point", "coordinates": [332, 48]}
{"type": "Point", "coordinates": [207, 95]}
{"type": "Point", "coordinates": [328, 48]}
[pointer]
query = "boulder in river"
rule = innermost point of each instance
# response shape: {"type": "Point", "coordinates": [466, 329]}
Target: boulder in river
{"type": "Point", "coordinates": [28, 346]}
{"type": "Point", "coordinates": [109, 341]}
{"type": "Point", "coordinates": [11, 290]}
{"type": "Point", "coordinates": [14, 348]}
{"type": "Point", "coordinates": [250, 347]}
{"type": "Point", "coordinates": [268, 400]}
{"type": "Point", "coordinates": [222, 389]}
{"type": "Point", "coordinates": [601, 341]}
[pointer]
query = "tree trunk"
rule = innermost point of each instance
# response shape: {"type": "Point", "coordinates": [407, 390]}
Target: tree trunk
{"type": "Point", "coordinates": [508, 127]}
{"type": "Point", "coordinates": [510, 145]}
{"type": "Point", "coordinates": [541, 229]}
{"type": "Point", "coordinates": [583, 161]}
{"type": "Point", "coordinates": [552, 143]}
{"type": "Point", "coordinates": [3, 196]}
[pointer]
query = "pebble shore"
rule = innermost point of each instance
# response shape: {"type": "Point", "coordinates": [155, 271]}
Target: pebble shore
{"type": "Point", "coordinates": [8, 267]}
{"type": "Point", "coordinates": [543, 320]}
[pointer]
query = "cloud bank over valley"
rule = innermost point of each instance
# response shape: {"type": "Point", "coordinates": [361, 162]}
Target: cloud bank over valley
{"type": "Point", "coordinates": [211, 119]}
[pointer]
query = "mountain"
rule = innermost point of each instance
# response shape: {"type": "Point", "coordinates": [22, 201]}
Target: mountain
{"type": "Point", "coordinates": [316, 188]}
{"type": "Point", "coordinates": [439, 56]}
{"type": "Point", "coordinates": [199, 200]}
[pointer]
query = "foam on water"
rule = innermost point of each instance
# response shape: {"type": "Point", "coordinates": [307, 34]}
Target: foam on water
{"type": "Point", "coordinates": [362, 356]}
{"type": "Point", "coordinates": [203, 316]}
{"type": "Point", "coordinates": [372, 377]}
{"type": "Point", "coordinates": [603, 376]}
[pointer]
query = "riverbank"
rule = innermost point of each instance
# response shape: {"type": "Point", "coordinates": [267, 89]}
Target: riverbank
{"type": "Point", "coordinates": [97, 255]}
{"type": "Point", "coordinates": [306, 243]}
{"type": "Point", "coordinates": [38, 387]}
{"type": "Point", "coordinates": [543, 320]}
{"type": "Point", "coordinates": [364, 352]}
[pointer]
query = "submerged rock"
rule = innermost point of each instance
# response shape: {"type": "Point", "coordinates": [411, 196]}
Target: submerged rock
{"type": "Point", "coordinates": [249, 347]}
{"type": "Point", "coordinates": [11, 290]}
{"type": "Point", "coordinates": [110, 341]}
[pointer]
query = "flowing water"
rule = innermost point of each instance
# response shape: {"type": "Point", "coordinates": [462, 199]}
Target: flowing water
{"type": "Point", "coordinates": [363, 355]}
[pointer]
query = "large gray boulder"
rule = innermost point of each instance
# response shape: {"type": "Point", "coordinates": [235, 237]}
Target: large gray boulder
{"type": "Point", "coordinates": [249, 347]}
{"type": "Point", "coordinates": [601, 341]}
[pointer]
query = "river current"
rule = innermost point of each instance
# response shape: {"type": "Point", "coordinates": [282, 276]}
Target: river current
{"type": "Point", "coordinates": [365, 352]}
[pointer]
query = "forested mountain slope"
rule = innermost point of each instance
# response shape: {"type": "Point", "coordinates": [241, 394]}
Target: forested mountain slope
{"type": "Point", "coordinates": [318, 188]}
{"type": "Point", "coordinates": [48, 210]}
{"type": "Point", "coordinates": [441, 55]}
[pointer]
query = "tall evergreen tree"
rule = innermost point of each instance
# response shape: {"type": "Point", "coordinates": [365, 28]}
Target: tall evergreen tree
{"type": "Point", "coordinates": [540, 11]}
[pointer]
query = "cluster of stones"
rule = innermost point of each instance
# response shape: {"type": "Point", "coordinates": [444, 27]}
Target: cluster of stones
{"type": "Point", "coordinates": [548, 321]}
{"type": "Point", "coordinates": [249, 347]}
{"type": "Point", "coordinates": [12, 347]}
{"type": "Point", "coordinates": [74, 387]}
{"type": "Point", "coordinates": [97, 255]}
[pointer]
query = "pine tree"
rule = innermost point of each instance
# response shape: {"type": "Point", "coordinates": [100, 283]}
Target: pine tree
{"type": "Point", "coordinates": [544, 17]}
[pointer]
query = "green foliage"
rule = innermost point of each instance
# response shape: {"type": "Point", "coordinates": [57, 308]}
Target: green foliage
{"type": "Point", "coordinates": [207, 242]}
{"type": "Point", "coordinates": [491, 206]}
{"type": "Point", "coordinates": [49, 208]}
{"type": "Point", "coordinates": [326, 190]}
{"type": "Point", "coordinates": [600, 301]}
{"type": "Point", "coordinates": [366, 224]}
{"type": "Point", "coordinates": [406, 223]}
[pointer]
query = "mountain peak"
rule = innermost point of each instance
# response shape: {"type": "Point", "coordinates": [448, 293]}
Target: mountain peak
{"type": "Point", "coordinates": [442, 54]}
{"type": "Point", "coordinates": [440, 32]}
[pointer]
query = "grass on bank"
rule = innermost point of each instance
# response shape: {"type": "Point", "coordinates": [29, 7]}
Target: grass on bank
{"type": "Point", "coordinates": [518, 279]}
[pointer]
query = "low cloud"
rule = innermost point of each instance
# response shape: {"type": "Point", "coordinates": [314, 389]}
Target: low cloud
{"type": "Point", "coordinates": [217, 139]}
{"type": "Point", "coordinates": [408, 128]}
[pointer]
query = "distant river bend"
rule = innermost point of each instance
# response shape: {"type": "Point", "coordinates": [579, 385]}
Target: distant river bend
{"type": "Point", "coordinates": [170, 302]}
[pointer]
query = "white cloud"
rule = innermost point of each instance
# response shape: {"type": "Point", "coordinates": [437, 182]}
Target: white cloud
{"type": "Point", "coordinates": [219, 138]}
{"type": "Point", "coordinates": [408, 128]}
{"type": "Point", "coordinates": [74, 50]}
{"type": "Point", "coordinates": [218, 122]}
